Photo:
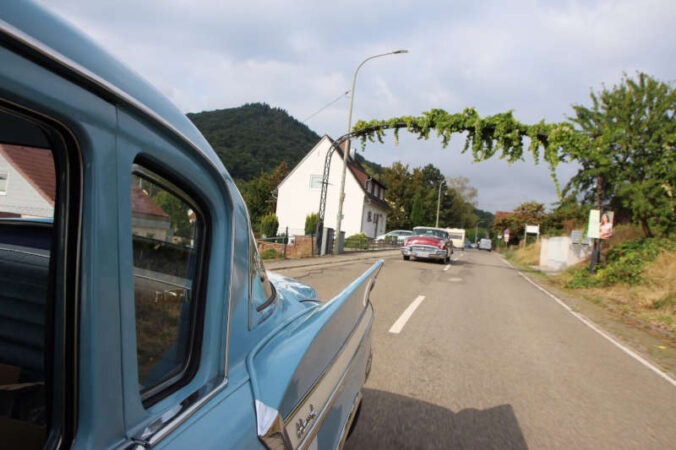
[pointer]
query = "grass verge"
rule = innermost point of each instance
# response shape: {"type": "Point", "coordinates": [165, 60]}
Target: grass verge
{"type": "Point", "coordinates": [638, 280]}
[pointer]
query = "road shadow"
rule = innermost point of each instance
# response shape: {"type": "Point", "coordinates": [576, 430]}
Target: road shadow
{"type": "Point", "coordinates": [394, 421]}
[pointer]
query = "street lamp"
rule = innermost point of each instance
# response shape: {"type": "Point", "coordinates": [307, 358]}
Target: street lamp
{"type": "Point", "coordinates": [341, 193]}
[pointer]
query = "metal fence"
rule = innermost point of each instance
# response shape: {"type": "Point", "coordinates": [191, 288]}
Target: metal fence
{"type": "Point", "coordinates": [360, 244]}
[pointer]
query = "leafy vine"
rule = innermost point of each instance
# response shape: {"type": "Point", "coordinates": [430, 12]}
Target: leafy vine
{"type": "Point", "coordinates": [487, 136]}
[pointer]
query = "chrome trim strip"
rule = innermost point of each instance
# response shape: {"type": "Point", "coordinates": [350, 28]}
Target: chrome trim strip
{"type": "Point", "coordinates": [366, 301]}
{"type": "Point", "coordinates": [334, 394]}
{"type": "Point", "coordinates": [350, 420]}
{"type": "Point", "coordinates": [270, 427]}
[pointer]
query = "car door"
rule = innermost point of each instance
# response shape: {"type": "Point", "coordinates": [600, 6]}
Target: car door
{"type": "Point", "coordinates": [83, 389]}
{"type": "Point", "coordinates": [177, 237]}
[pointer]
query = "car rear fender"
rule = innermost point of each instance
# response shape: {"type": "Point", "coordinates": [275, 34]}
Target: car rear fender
{"type": "Point", "coordinates": [298, 369]}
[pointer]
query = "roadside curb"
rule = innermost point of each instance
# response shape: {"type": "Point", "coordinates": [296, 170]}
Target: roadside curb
{"type": "Point", "coordinates": [325, 260]}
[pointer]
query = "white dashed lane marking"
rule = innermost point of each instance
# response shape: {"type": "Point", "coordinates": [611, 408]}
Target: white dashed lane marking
{"type": "Point", "coordinates": [408, 312]}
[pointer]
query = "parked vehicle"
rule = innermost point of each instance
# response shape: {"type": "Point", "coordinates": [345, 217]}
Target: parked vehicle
{"type": "Point", "coordinates": [485, 244]}
{"type": "Point", "coordinates": [457, 237]}
{"type": "Point", "coordinates": [428, 243]}
{"type": "Point", "coordinates": [136, 311]}
{"type": "Point", "coordinates": [399, 236]}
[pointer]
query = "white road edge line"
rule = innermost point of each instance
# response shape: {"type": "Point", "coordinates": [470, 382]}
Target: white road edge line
{"type": "Point", "coordinates": [591, 325]}
{"type": "Point", "coordinates": [448, 266]}
{"type": "Point", "coordinates": [408, 312]}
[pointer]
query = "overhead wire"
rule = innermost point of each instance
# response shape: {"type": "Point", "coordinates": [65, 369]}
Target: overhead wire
{"type": "Point", "coordinates": [326, 106]}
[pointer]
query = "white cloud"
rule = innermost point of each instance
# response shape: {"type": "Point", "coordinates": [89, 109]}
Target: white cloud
{"type": "Point", "coordinates": [534, 57]}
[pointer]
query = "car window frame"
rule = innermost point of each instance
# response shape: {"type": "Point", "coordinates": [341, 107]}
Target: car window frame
{"type": "Point", "coordinates": [258, 313]}
{"type": "Point", "coordinates": [155, 173]}
{"type": "Point", "coordinates": [61, 314]}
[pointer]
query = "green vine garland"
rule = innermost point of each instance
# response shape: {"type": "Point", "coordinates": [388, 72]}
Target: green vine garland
{"type": "Point", "coordinates": [486, 136]}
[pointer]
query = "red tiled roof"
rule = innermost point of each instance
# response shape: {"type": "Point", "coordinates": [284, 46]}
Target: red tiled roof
{"type": "Point", "coordinates": [500, 214]}
{"type": "Point", "coordinates": [36, 165]}
{"type": "Point", "coordinates": [143, 207]}
{"type": "Point", "coordinates": [362, 177]}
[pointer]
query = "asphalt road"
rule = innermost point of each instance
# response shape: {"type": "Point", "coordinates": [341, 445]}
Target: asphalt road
{"type": "Point", "coordinates": [487, 360]}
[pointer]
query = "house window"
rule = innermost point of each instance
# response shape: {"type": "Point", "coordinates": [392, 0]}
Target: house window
{"type": "Point", "coordinates": [3, 181]}
{"type": "Point", "coordinates": [368, 216]}
{"type": "Point", "coordinates": [382, 194]}
{"type": "Point", "coordinates": [315, 182]}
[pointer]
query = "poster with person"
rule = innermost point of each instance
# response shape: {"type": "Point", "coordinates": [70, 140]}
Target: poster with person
{"type": "Point", "coordinates": [600, 224]}
{"type": "Point", "coordinates": [606, 225]}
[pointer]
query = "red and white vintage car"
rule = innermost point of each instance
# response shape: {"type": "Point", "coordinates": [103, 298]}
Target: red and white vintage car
{"type": "Point", "coordinates": [428, 243]}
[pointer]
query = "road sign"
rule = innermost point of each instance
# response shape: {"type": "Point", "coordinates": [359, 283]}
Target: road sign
{"type": "Point", "coordinates": [533, 229]}
{"type": "Point", "coordinates": [507, 235]}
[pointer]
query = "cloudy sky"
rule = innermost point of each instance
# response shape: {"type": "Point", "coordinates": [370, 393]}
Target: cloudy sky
{"type": "Point", "coordinates": [536, 58]}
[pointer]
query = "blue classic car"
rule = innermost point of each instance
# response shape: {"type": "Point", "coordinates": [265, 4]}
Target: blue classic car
{"type": "Point", "coordinates": [135, 311]}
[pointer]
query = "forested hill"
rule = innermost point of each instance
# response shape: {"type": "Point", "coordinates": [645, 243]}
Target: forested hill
{"type": "Point", "coordinates": [254, 137]}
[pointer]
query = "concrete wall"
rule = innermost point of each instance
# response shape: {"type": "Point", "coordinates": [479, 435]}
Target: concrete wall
{"type": "Point", "coordinates": [559, 252]}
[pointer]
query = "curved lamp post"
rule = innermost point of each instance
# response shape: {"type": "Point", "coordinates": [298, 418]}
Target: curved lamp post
{"type": "Point", "coordinates": [346, 153]}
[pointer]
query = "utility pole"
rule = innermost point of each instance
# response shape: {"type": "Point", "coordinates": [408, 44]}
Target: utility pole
{"type": "Point", "coordinates": [346, 153]}
{"type": "Point", "coordinates": [438, 204]}
{"type": "Point", "coordinates": [596, 250]}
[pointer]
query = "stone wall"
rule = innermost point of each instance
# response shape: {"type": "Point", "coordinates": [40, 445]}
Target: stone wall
{"type": "Point", "coordinates": [299, 247]}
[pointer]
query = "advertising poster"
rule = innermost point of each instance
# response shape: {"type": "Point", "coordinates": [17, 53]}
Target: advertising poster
{"type": "Point", "coordinates": [594, 222]}
{"type": "Point", "coordinates": [606, 225]}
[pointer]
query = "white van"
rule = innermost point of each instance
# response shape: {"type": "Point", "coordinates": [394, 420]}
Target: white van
{"type": "Point", "coordinates": [485, 244]}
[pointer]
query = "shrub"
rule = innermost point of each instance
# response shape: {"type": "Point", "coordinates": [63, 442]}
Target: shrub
{"type": "Point", "coordinates": [270, 253]}
{"type": "Point", "coordinates": [358, 241]}
{"type": "Point", "coordinates": [311, 223]}
{"type": "Point", "coordinates": [269, 225]}
{"type": "Point", "coordinates": [624, 264]}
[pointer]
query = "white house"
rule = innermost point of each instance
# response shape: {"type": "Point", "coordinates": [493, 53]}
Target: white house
{"type": "Point", "coordinates": [27, 182]}
{"type": "Point", "coordinates": [364, 208]}
{"type": "Point", "coordinates": [28, 189]}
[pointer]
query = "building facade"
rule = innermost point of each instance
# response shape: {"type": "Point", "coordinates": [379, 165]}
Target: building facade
{"type": "Point", "coordinates": [298, 195]}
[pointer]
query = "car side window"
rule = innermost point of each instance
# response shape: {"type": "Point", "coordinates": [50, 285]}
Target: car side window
{"type": "Point", "coordinates": [261, 290]}
{"type": "Point", "coordinates": [32, 217]}
{"type": "Point", "coordinates": [168, 236]}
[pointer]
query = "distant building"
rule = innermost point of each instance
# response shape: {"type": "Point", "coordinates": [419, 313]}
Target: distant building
{"type": "Point", "coordinates": [27, 182]}
{"type": "Point", "coordinates": [28, 189]}
{"type": "Point", "coordinates": [364, 208]}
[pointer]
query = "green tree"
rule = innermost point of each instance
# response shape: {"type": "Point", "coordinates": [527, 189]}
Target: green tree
{"type": "Point", "coordinates": [257, 193]}
{"type": "Point", "coordinates": [629, 158]}
{"type": "Point", "coordinates": [417, 213]}
{"type": "Point", "coordinates": [269, 225]}
{"type": "Point", "coordinates": [625, 145]}
{"type": "Point", "coordinates": [311, 223]}
{"type": "Point", "coordinates": [178, 212]}
{"type": "Point", "coordinates": [398, 195]}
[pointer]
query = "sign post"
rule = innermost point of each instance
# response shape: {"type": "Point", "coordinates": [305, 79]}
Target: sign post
{"type": "Point", "coordinates": [531, 229]}
{"type": "Point", "coordinates": [593, 234]}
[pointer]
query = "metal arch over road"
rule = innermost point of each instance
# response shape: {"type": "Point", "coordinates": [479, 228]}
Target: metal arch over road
{"type": "Point", "coordinates": [335, 145]}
